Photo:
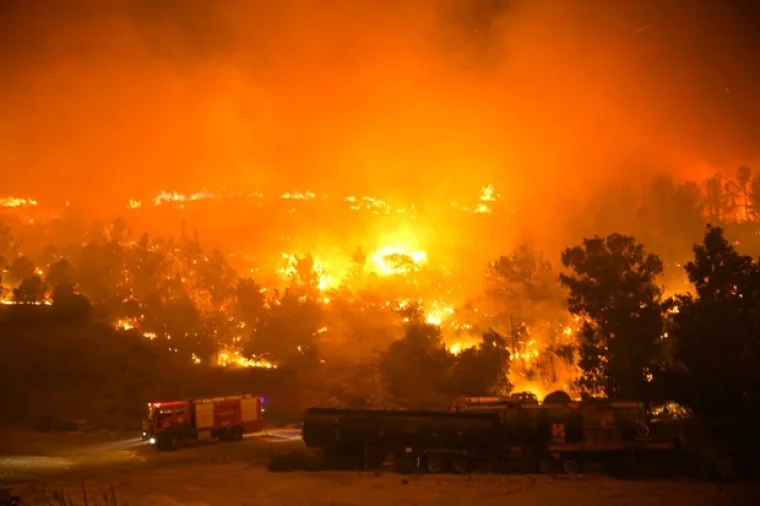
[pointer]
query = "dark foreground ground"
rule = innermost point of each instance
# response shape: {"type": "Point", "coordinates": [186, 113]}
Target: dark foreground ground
{"type": "Point", "coordinates": [39, 466]}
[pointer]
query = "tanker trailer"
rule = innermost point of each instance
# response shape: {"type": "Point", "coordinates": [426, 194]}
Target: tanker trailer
{"type": "Point", "coordinates": [436, 440]}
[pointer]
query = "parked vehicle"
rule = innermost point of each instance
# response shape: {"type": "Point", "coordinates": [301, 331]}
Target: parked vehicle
{"type": "Point", "coordinates": [170, 425]}
{"type": "Point", "coordinates": [543, 437]}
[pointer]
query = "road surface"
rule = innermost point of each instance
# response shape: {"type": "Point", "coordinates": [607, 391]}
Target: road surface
{"type": "Point", "coordinates": [27, 457]}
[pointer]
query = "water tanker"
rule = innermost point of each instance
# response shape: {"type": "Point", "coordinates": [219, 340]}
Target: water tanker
{"type": "Point", "coordinates": [537, 436]}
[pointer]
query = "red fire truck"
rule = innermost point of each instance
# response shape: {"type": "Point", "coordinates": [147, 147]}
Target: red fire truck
{"type": "Point", "coordinates": [172, 424]}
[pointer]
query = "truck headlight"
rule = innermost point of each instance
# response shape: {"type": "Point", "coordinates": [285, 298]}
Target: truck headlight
{"type": "Point", "coordinates": [152, 440]}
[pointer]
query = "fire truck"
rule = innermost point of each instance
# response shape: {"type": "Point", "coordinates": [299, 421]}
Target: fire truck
{"type": "Point", "coordinates": [171, 425]}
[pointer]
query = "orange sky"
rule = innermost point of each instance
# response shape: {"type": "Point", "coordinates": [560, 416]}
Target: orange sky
{"type": "Point", "coordinates": [103, 100]}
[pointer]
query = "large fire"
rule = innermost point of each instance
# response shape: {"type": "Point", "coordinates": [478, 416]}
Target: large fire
{"type": "Point", "coordinates": [405, 276]}
{"type": "Point", "coordinates": [16, 202]}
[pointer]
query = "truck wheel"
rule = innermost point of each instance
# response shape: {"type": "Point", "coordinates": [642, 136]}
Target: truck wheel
{"type": "Point", "coordinates": [235, 434]}
{"type": "Point", "coordinates": [461, 465]}
{"type": "Point", "coordinates": [168, 441]}
{"type": "Point", "coordinates": [546, 466]}
{"type": "Point", "coordinates": [435, 463]}
{"type": "Point", "coordinates": [571, 466]}
{"type": "Point", "coordinates": [406, 464]}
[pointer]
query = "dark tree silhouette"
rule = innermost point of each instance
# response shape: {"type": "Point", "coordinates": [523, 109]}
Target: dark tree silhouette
{"type": "Point", "coordinates": [416, 367]}
{"type": "Point", "coordinates": [250, 301]}
{"type": "Point", "coordinates": [743, 178]}
{"type": "Point", "coordinates": [217, 277]}
{"type": "Point", "coordinates": [31, 291]}
{"type": "Point", "coordinates": [717, 333]}
{"type": "Point", "coordinates": [288, 333]}
{"type": "Point", "coordinates": [754, 196]}
{"type": "Point", "coordinates": [61, 273]}
{"type": "Point", "coordinates": [714, 199]}
{"type": "Point", "coordinates": [612, 288]}
{"type": "Point", "coordinates": [484, 369]}
{"type": "Point", "coordinates": [671, 218]}
{"type": "Point", "coordinates": [99, 271]}
{"type": "Point", "coordinates": [717, 343]}
{"type": "Point", "coordinates": [521, 289]}
{"type": "Point", "coordinates": [523, 275]}
{"type": "Point", "coordinates": [20, 269]}
{"type": "Point", "coordinates": [70, 306]}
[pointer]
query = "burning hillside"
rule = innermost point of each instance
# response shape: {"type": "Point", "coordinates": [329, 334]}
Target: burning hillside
{"type": "Point", "coordinates": [374, 288]}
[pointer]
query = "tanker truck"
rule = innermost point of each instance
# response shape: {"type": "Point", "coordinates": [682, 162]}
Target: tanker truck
{"type": "Point", "coordinates": [542, 437]}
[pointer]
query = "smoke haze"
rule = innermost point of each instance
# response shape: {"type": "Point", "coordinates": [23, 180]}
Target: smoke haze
{"type": "Point", "coordinates": [106, 100]}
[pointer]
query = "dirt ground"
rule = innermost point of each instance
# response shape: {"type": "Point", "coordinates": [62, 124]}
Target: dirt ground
{"type": "Point", "coordinates": [36, 466]}
{"type": "Point", "coordinates": [242, 484]}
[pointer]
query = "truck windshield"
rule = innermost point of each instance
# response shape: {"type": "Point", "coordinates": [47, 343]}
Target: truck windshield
{"type": "Point", "coordinates": [162, 414]}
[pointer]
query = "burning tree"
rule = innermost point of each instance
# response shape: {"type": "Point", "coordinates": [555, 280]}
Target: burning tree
{"type": "Point", "coordinates": [612, 290]}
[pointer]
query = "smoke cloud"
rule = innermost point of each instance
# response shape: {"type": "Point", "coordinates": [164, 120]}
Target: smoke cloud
{"type": "Point", "coordinates": [105, 100]}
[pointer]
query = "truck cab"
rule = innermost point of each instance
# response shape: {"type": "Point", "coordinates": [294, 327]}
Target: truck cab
{"type": "Point", "coordinates": [165, 415]}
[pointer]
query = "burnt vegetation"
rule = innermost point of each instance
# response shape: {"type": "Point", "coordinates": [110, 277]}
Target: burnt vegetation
{"type": "Point", "coordinates": [96, 324]}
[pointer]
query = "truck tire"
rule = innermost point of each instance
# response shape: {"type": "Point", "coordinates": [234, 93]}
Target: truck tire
{"type": "Point", "coordinates": [571, 466]}
{"type": "Point", "coordinates": [546, 466]}
{"type": "Point", "coordinates": [405, 464]}
{"type": "Point", "coordinates": [168, 441]}
{"type": "Point", "coordinates": [235, 434]}
{"type": "Point", "coordinates": [461, 464]}
{"type": "Point", "coordinates": [435, 463]}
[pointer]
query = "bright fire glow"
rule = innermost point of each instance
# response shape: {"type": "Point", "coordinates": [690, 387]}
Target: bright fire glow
{"type": "Point", "coordinates": [232, 358]}
{"type": "Point", "coordinates": [16, 202]}
{"type": "Point", "coordinates": [392, 260]}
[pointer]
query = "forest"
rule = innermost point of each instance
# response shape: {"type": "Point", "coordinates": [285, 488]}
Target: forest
{"type": "Point", "coordinates": [667, 311]}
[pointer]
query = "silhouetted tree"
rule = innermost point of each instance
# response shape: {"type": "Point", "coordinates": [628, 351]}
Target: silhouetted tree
{"type": "Point", "coordinates": [288, 332]}
{"type": "Point", "coordinates": [612, 288]}
{"type": "Point", "coordinates": [754, 196]}
{"type": "Point", "coordinates": [61, 273]}
{"type": "Point", "coordinates": [216, 276]}
{"type": "Point", "coordinates": [20, 269]}
{"type": "Point", "coordinates": [671, 218]}
{"type": "Point", "coordinates": [714, 199]}
{"type": "Point", "coordinates": [717, 333]}
{"type": "Point", "coordinates": [521, 288]}
{"type": "Point", "coordinates": [743, 178]}
{"type": "Point", "coordinates": [717, 342]}
{"type": "Point", "coordinates": [31, 290]}
{"type": "Point", "coordinates": [523, 275]}
{"type": "Point", "coordinates": [483, 369]}
{"type": "Point", "coordinates": [416, 366]}
{"type": "Point", "coordinates": [70, 306]}
{"type": "Point", "coordinates": [250, 301]}
{"type": "Point", "coordinates": [7, 243]}
{"type": "Point", "coordinates": [99, 272]}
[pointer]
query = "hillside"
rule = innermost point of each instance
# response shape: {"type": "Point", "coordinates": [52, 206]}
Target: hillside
{"type": "Point", "coordinates": [65, 375]}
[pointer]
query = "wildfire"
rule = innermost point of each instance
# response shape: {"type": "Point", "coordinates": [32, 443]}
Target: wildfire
{"type": "Point", "coordinates": [233, 358]}
{"type": "Point", "coordinates": [17, 202]}
{"type": "Point", "coordinates": [126, 324]}
{"type": "Point", "coordinates": [8, 302]}
{"type": "Point", "coordinates": [298, 196]}
{"type": "Point", "coordinates": [174, 197]}
{"type": "Point", "coordinates": [306, 271]}
{"type": "Point", "coordinates": [390, 260]}
{"type": "Point", "coordinates": [438, 314]}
